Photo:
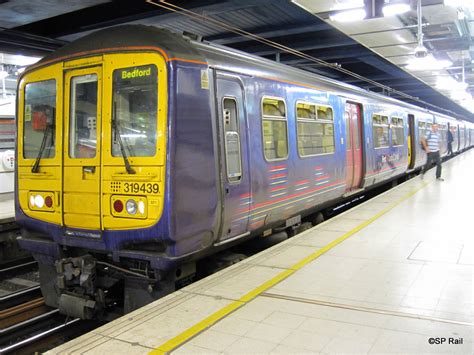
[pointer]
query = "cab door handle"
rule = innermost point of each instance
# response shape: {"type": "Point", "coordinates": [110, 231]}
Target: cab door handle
{"type": "Point", "coordinates": [88, 169]}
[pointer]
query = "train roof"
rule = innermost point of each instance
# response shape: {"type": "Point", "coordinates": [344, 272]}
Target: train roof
{"type": "Point", "coordinates": [130, 37]}
{"type": "Point", "coordinates": [125, 38]}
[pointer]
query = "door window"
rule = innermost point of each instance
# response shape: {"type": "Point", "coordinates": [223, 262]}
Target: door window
{"type": "Point", "coordinates": [356, 129]}
{"type": "Point", "coordinates": [232, 139]}
{"type": "Point", "coordinates": [83, 117]}
{"type": "Point", "coordinates": [348, 131]}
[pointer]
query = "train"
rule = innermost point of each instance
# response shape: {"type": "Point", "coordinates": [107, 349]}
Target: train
{"type": "Point", "coordinates": [140, 152]}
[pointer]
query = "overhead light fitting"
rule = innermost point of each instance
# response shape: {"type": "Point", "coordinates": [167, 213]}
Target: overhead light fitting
{"type": "Point", "coordinates": [427, 63]}
{"type": "Point", "coordinates": [423, 60]}
{"type": "Point", "coordinates": [449, 83]}
{"type": "Point", "coordinates": [349, 15]}
{"type": "Point", "coordinates": [395, 9]}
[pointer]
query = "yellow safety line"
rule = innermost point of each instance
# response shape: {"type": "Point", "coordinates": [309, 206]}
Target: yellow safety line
{"type": "Point", "coordinates": [218, 315]}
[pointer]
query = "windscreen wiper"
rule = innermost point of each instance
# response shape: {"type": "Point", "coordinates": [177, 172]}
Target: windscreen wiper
{"type": "Point", "coordinates": [116, 129]}
{"type": "Point", "coordinates": [49, 128]}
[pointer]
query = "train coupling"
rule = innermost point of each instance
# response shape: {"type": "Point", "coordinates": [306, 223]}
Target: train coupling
{"type": "Point", "coordinates": [77, 283]}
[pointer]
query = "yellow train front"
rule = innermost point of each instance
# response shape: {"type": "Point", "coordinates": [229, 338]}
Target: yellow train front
{"type": "Point", "coordinates": [95, 200]}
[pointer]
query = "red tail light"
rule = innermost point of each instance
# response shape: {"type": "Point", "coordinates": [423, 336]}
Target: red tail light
{"type": "Point", "coordinates": [48, 201]}
{"type": "Point", "coordinates": [118, 206]}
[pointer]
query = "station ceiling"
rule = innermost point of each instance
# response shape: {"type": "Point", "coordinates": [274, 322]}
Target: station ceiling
{"type": "Point", "coordinates": [377, 48]}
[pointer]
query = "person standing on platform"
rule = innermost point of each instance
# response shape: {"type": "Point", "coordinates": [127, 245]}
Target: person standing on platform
{"type": "Point", "coordinates": [431, 146]}
{"type": "Point", "coordinates": [450, 142]}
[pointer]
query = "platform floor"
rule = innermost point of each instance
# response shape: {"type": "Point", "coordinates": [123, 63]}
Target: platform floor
{"type": "Point", "coordinates": [7, 208]}
{"type": "Point", "coordinates": [384, 277]}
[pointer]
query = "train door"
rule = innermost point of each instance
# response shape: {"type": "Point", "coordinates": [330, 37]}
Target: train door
{"type": "Point", "coordinates": [411, 141]}
{"type": "Point", "coordinates": [353, 122]}
{"type": "Point", "coordinates": [234, 156]}
{"type": "Point", "coordinates": [81, 165]}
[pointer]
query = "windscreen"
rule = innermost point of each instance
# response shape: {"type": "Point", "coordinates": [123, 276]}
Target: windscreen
{"type": "Point", "coordinates": [135, 100]}
{"type": "Point", "coordinates": [39, 119]}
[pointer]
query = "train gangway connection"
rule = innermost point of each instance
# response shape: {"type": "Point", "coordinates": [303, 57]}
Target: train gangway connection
{"type": "Point", "coordinates": [394, 274]}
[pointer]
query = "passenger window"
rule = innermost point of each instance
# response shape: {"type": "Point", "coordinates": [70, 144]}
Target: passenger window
{"type": "Point", "coordinates": [83, 117]}
{"type": "Point", "coordinates": [443, 130]}
{"type": "Point", "coordinates": [315, 129]}
{"type": "Point", "coordinates": [428, 128]}
{"type": "Point", "coordinates": [380, 131]}
{"type": "Point", "coordinates": [398, 137]}
{"type": "Point", "coordinates": [275, 129]}
{"type": "Point", "coordinates": [232, 139]}
{"type": "Point", "coordinates": [421, 129]}
{"type": "Point", "coordinates": [39, 119]}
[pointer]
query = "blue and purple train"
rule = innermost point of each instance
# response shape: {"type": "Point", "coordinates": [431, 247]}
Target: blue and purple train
{"type": "Point", "coordinates": [140, 152]}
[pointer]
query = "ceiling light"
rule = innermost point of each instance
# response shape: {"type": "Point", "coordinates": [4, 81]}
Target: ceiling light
{"type": "Point", "coordinates": [427, 63]}
{"type": "Point", "coordinates": [461, 95]}
{"type": "Point", "coordinates": [349, 15]}
{"type": "Point", "coordinates": [448, 83]}
{"type": "Point", "coordinates": [422, 59]}
{"type": "Point", "coordinates": [468, 104]}
{"type": "Point", "coordinates": [395, 9]}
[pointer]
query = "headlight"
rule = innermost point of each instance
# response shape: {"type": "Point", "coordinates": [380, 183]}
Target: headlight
{"type": "Point", "coordinates": [131, 207]}
{"type": "Point", "coordinates": [39, 201]}
{"type": "Point", "coordinates": [141, 207]}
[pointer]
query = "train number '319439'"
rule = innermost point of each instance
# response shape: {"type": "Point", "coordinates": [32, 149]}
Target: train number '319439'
{"type": "Point", "coordinates": [145, 188]}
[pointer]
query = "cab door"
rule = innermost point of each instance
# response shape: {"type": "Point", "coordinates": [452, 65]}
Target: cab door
{"type": "Point", "coordinates": [353, 121]}
{"type": "Point", "coordinates": [81, 165]}
{"type": "Point", "coordinates": [236, 197]}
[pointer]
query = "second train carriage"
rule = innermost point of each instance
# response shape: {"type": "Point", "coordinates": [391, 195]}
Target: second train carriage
{"type": "Point", "coordinates": [140, 152]}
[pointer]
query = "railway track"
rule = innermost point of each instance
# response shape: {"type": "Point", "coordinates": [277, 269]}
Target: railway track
{"type": "Point", "coordinates": [31, 326]}
{"type": "Point", "coordinates": [10, 252]}
{"type": "Point", "coordinates": [27, 325]}
{"type": "Point", "coordinates": [19, 283]}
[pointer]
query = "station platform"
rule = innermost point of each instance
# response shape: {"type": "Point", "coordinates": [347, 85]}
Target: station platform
{"type": "Point", "coordinates": [7, 208]}
{"type": "Point", "coordinates": [392, 275]}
